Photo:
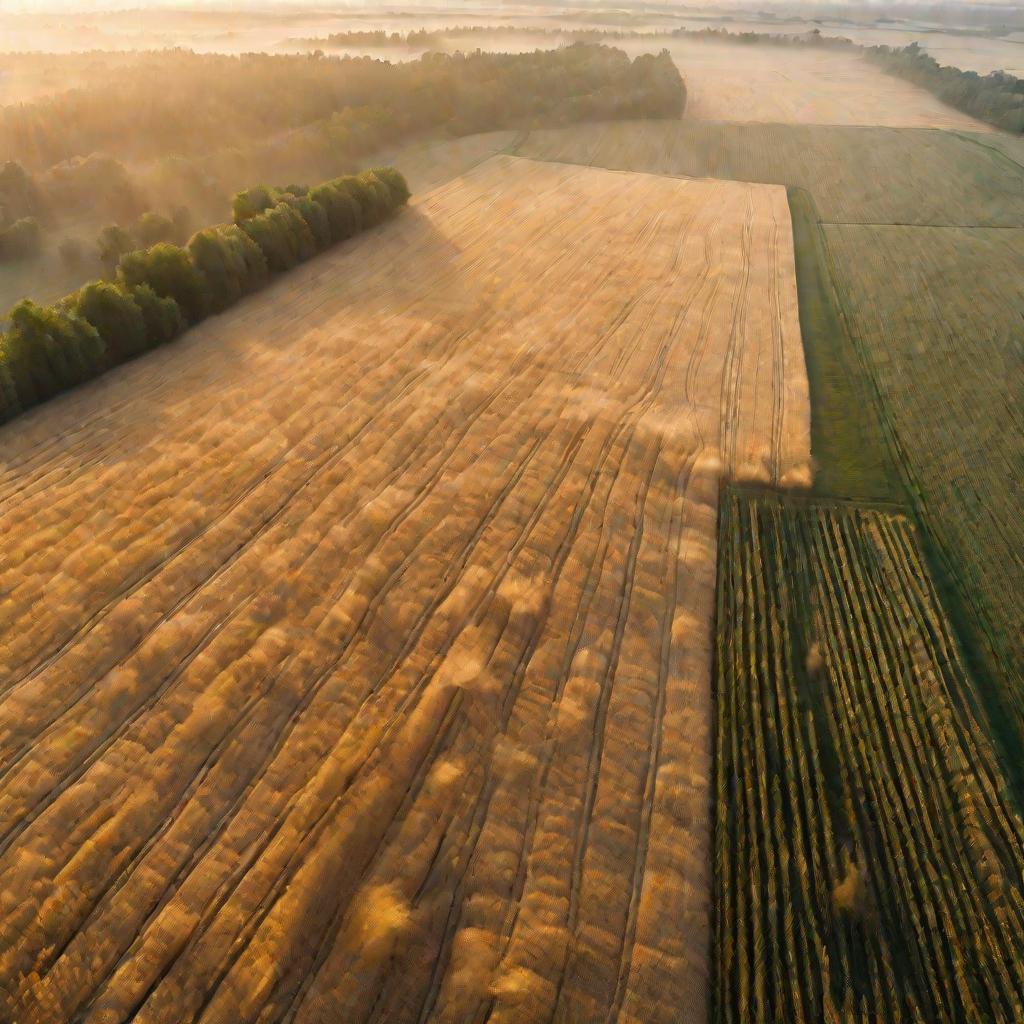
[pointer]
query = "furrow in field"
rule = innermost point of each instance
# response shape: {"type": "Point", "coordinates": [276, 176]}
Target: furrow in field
{"type": "Point", "coordinates": [385, 693]}
{"type": "Point", "coordinates": [870, 857]}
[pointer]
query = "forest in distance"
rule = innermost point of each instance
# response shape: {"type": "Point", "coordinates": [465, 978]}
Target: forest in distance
{"type": "Point", "coordinates": [512, 515]}
{"type": "Point", "coordinates": [166, 139]}
{"type": "Point", "coordinates": [996, 97]}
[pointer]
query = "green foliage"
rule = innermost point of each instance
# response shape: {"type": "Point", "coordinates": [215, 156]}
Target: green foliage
{"type": "Point", "coordinates": [169, 271]}
{"type": "Point", "coordinates": [163, 288]}
{"type": "Point", "coordinates": [363, 202]}
{"type": "Point", "coordinates": [20, 195]}
{"type": "Point", "coordinates": [315, 217]}
{"type": "Point", "coordinates": [97, 183]}
{"type": "Point", "coordinates": [21, 204]}
{"type": "Point", "coordinates": [230, 264]}
{"type": "Point", "coordinates": [194, 126]}
{"type": "Point", "coordinates": [21, 240]}
{"type": "Point", "coordinates": [10, 404]}
{"type": "Point", "coordinates": [113, 242]}
{"type": "Point", "coordinates": [253, 201]}
{"type": "Point", "coordinates": [654, 76]}
{"type": "Point", "coordinates": [377, 202]}
{"type": "Point", "coordinates": [282, 235]}
{"type": "Point", "coordinates": [155, 227]}
{"type": "Point", "coordinates": [997, 98]}
{"type": "Point", "coordinates": [49, 349]}
{"type": "Point", "coordinates": [116, 317]}
{"type": "Point", "coordinates": [174, 103]}
{"type": "Point", "coordinates": [342, 210]}
{"type": "Point", "coordinates": [395, 182]}
{"type": "Point", "coordinates": [162, 316]}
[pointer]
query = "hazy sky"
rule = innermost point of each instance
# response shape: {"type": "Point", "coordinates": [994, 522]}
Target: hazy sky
{"type": "Point", "coordinates": [11, 6]}
{"type": "Point", "coordinates": [20, 6]}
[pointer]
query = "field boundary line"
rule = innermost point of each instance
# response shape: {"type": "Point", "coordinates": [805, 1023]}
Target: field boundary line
{"type": "Point", "coordinates": [973, 635]}
{"type": "Point", "coordinates": [910, 224]}
{"type": "Point", "coordinates": [971, 140]}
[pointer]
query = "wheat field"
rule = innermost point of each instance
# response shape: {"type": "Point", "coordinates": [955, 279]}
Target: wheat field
{"type": "Point", "coordinates": [356, 649]}
{"type": "Point", "coordinates": [728, 82]}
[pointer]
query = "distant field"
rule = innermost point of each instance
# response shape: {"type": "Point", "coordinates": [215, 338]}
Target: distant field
{"type": "Point", "coordinates": [937, 312]}
{"type": "Point", "coordinates": [972, 53]}
{"type": "Point", "coordinates": [759, 84]}
{"type": "Point", "coordinates": [868, 857]}
{"type": "Point", "coordinates": [861, 175]}
{"type": "Point", "coordinates": [1011, 146]}
{"type": "Point", "coordinates": [799, 86]}
{"type": "Point", "coordinates": [979, 52]}
{"type": "Point", "coordinates": [357, 646]}
{"type": "Point", "coordinates": [429, 164]}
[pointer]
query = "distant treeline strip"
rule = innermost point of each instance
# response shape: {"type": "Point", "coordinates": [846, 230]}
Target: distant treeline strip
{"type": "Point", "coordinates": [162, 290]}
{"type": "Point", "coordinates": [201, 126]}
{"type": "Point", "coordinates": [812, 38]}
{"type": "Point", "coordinates": [426, 38]}
{"type": "Point", "coordinates": [996, 98]}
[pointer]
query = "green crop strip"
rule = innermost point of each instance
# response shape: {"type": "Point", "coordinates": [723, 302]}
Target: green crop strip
{"type": "Point", "coordinates": [868, 854]}
{"type": "Point", "coordinates": [850, 451]}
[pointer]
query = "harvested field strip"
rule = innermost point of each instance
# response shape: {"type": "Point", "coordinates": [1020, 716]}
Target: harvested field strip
{"type": "Point", "coordinates": [868, 858]}
{"type": "Point", "coordinates": [938, 314]}
{"type": "Point", "coordinates": [856, 175]}
{"type": "Point", "coordinates": [356, 663]}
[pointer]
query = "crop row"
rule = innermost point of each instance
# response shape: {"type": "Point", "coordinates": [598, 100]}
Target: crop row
{"type": "Point", "coordinates": [936, 312]}
{"type": "Point", "coordinates": [867, 855]}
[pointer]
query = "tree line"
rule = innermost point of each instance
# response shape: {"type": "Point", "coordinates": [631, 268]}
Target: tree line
{"type": "Point", "coordinates": [160, 291]}
{"type": "Point", "coordinates": [203, 124]}
{"type": "Point", "coordinates": [812, 39]}
{"type": "Point", "coordinates": [996, 98]}
{"type": "Point", "coordinates": [21, 205]}
{"type": "Point", "coordinates": [424, 38]}
{"type": "Point", "coordinates": [581, 82]}
{"type": "Point", "coordinates": [181, 103]}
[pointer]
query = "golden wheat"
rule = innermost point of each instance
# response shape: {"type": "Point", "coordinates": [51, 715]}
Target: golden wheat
{"type": "Point", "coordinates": [356, 649]}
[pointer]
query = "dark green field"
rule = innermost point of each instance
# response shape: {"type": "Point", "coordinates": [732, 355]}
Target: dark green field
{"type": "Point", "coordinates": [868, 854]}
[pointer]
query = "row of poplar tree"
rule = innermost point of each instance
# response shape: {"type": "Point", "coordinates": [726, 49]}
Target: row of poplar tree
{"type": "Point", "coordinates": [159, 292]}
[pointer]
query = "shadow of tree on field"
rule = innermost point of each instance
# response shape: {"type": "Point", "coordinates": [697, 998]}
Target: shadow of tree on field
{"type": "Point", "coordinates": [380, 273]}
